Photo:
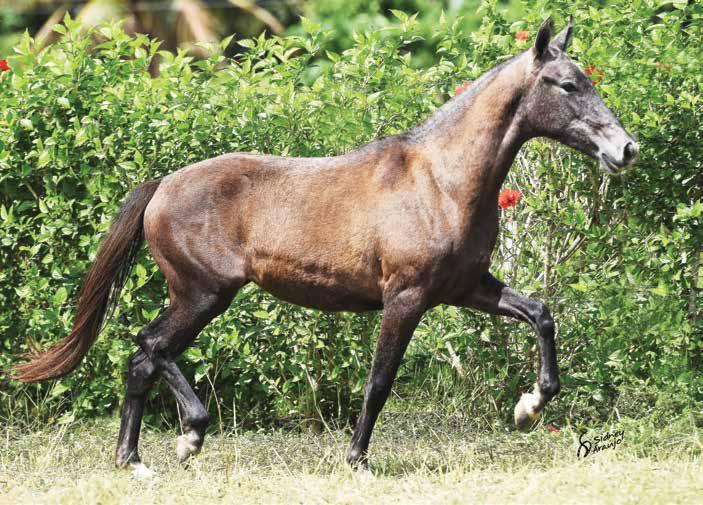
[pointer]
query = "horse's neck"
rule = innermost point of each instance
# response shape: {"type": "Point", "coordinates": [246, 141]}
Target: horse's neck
{"type": "Point", "coordinates": [475, 140]}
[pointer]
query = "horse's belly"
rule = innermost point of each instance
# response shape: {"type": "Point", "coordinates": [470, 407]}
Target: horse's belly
{"type": "Point", "coordinates": [323, 298]}
{"type": "Point", "coordinates": [319, 288]}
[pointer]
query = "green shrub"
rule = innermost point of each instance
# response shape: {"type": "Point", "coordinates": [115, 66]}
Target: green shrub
{"type": "Point", "coordinates": [617, 259]}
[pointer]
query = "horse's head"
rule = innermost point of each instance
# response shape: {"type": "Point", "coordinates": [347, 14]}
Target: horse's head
{"type": "Point", "coordinates": [562, 103]}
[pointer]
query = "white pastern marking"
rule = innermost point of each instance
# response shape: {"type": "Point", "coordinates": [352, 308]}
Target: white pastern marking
{"type": "Point", "coordinates": [187, 445]}
{"type": "Point", "coordinates": [530, 402]}
{"type": "Point", "coordinates": [141, 471]}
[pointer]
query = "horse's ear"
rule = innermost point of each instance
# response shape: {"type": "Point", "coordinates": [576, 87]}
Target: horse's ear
{"type": "Point", "coordinates": [564, 37]}
{"type": "Point", "coordinates": [542, 40]}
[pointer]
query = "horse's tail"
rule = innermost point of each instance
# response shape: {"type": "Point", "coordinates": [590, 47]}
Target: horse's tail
{"type": "Point", "coordinates": [100, 291]}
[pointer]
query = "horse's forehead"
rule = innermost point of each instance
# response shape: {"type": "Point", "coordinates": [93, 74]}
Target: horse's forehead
{"type": "Point", "coordinates": [563, 66]}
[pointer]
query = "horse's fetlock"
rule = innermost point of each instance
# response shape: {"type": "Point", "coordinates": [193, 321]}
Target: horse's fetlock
{"type": "Point", "coordinates": [357, 458]}
{"type": "Point", "coordinates": [550, 388]}
{"type": "Point", "coordinates": [199, 421]}
{"type": "Point", "coordinates": [546, 324]}
{"type": "Point", "coordinates": [124, 458]}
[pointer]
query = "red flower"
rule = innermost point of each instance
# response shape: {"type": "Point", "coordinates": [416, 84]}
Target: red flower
{"type": "Point", "coordinates": [509, 198]}
{"type": "Point", "coordinates": [595, 74]}
{"type": "Point", "coordinates": [663, 67]}
{"type": "Point", "coordinates": [553, 429]}
{"type": "Point", "coordinates": [4, 66]}
{"type": "Point", "coordinates": [461, 88]}
{"type": "Point", "coordinates": [522, 36]}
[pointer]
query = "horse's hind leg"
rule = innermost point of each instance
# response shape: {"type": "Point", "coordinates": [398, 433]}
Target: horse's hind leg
{"type": "Point", "coordinates": [141, 376]}
{"type": "Point", "coordinates": [194, 417]}
{"type": "Point", "coordinates": [139, 379]}
{"type": "Point", "coordinates": [161, 342]}
{"type": "Point", "coordinates": [494, 297]}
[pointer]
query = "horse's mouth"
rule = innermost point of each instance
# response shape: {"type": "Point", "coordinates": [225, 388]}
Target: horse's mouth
{"type": "Point", "coordinates": [610, 165]}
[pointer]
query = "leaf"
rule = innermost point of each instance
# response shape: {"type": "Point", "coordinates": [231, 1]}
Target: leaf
{"type": "Point", "coordinates": [59, 389]}
{"type": "Point", "coordinates": [400, 15]}
{"type": "Point", "coordinates": [81, 137]}
{"type": "Point", "coordinates": [141, 272]}
{"type": "Point", "coordinates": [201, 371]}
{"type": "Point", "coordinates": [44, 158]}
{"type": "Point", "coordinates": [60, 296]}
{"type": "Point", "coordinates": [661, 289]}
{"type": "Point", "coordinates": [310, 26]}
{"type": "Point", "coordinates": [580, 286]}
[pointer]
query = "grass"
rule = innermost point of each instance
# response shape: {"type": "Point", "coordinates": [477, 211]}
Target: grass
{"type": "Point", "coordinates": [415, 459]}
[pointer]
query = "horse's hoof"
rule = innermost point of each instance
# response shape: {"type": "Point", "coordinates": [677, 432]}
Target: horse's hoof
{"type": "Point", "coordinates": [141, 471]}
{"type": "Point", "coordinates": [526, 411]}
{"type": "Point", "coordinates": [358, 460]}
{"type": "Point", "coordinates": [364, 474]}
{"type": "Point", "coordinates": [188, 445]}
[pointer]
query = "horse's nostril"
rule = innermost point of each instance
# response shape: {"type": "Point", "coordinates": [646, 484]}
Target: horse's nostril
{"type": "Point", "coordinates": [630, 151]}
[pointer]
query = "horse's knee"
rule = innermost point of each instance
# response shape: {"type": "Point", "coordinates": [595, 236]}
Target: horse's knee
{"type": "Point", "coordinates": [542, 319]}
{"type": "Point", "coordinates": [145, 340]}
{"type": "Point", "coordinates": [546, 324]}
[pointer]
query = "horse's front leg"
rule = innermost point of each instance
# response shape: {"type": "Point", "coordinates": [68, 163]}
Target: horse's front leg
{"type": "Point", "coordinates": [494, 297]}
{"type": "Point", "coordinates": [401, 312]}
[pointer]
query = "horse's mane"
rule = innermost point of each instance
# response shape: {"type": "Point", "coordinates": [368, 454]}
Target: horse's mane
{"type": "Point", "coordinates": [454, 107]}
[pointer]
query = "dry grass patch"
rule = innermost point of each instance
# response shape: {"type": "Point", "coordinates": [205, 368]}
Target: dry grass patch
{"type": "Point", "coordinates": [430, 462]}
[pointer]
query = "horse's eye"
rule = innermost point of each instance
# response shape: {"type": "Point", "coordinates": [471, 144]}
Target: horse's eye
{"type": "Point", "coordinates": [569, 87]}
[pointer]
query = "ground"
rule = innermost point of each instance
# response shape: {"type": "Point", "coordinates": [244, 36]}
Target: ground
{"type": "Point", "coordinates": [416, 458]}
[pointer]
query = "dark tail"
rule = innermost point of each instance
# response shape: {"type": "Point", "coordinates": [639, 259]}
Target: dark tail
{"type": "Point", "coordinates": [100, 291]}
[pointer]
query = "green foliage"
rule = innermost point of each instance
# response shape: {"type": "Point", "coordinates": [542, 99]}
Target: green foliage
{"type": "Point", "coordinates": [616, 259]}
{"type": "Point", "coordinates": [345, 19]}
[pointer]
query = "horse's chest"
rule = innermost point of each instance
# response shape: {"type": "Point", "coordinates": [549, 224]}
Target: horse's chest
{"type": "Point", "coordinates": [466, 263]}
{"type": "Point", "coordinates": [458, 269]}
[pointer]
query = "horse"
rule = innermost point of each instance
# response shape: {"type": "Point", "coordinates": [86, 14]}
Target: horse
{"type": "Point", "coordinates": [401, 224]}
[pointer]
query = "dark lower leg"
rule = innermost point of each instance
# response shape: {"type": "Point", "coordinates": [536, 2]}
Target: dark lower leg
{"type": "Point", "coordinates": [160, 342]}
{"type": "Point", "coordinates": [494, 297]}
{"type": "Point", "coordinates": [194, 417]}
{"type": "Point", "coordinates": [548, 379]}
{"type": "Point", "coordinates": [139, 380]}
{"type": "Point", "coordinates": [140, 377]}
{"type": "Point", "coordinates": [376, 393]}
{"type": "Point", "coordinates": [186, 319]}
{"type": "Point", "coordinates": [399, 322]}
